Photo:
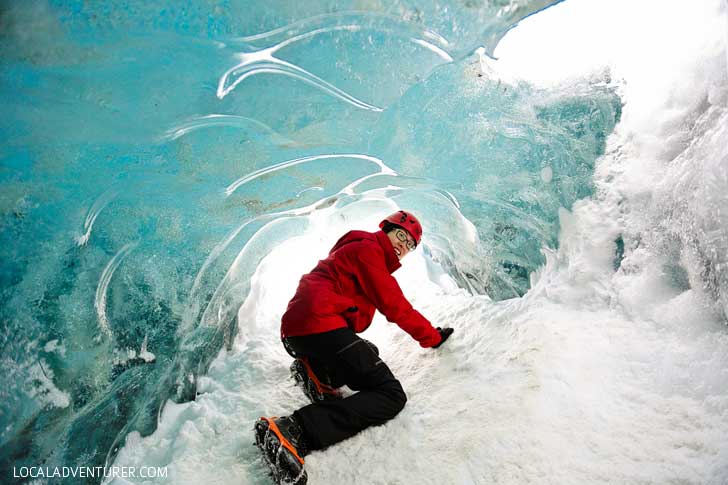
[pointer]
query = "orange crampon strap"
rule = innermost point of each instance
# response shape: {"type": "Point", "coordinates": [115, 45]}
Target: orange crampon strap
{"type": "Point", "coordinates": [320, 386]}
{"type": "Point", "coordinates": [284, 442]}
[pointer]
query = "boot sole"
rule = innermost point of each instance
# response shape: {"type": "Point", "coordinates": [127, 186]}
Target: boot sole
{"type": "Point", "coordinates": [282, 459]}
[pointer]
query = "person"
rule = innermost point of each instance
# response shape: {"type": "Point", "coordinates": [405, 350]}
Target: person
{"type": "Point", "coordinates": [333, 303]}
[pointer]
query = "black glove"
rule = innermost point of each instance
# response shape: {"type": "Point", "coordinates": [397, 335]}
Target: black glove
{"type": "Point", "coordinates": [444, 333]}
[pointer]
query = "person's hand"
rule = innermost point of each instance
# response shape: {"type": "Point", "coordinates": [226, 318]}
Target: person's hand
{"type": "Point", "coordinates": [444, 333]}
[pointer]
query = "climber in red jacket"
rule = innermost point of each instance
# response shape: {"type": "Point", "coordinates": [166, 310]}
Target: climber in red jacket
{"type": "Point", "coordinates": [333, 303]}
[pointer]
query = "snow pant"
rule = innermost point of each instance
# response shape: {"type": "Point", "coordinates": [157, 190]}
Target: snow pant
{"type": "Point", "coordinates": [341, 357]}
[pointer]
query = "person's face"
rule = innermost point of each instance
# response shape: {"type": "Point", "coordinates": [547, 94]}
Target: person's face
{"type": "Point", "coordinates": [402, 241]}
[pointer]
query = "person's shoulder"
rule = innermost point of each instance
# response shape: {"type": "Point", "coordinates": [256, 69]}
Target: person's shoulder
{"type": "Point", "coordinates": [358, 242]}
{"type": "Point", "coordinates": [354, 237]}
{"type": "Point", "coordinates": [361, 235]}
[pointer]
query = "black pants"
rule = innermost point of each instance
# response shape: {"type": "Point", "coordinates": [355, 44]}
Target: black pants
{"type": "Point", "coordinates": [345, 358]}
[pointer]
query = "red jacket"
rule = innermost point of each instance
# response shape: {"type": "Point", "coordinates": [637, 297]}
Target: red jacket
{"type": "Point", "coordinates": [357, 273]}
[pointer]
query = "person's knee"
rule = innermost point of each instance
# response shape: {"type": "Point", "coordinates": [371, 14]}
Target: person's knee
{"type": "Point", "coordinates": [400, 401]}
{"type": "Point", "coordinates": [397, 397]}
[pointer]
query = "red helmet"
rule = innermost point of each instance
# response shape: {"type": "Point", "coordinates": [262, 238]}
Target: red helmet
{"type": "Point", "coordinates": [406, 221]}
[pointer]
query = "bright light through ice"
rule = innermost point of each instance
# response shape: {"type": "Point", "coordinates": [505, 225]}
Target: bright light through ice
{"type": "Point", "coordinates": [650, 37]}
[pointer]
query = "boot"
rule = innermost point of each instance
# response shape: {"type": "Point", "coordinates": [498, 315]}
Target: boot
{"type": "Point", "coordinates": [313, 388]}
{"type": "Point", "coordinates": [283, 447]}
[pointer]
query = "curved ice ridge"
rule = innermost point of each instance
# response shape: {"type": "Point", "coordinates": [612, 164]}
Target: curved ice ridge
{"type": "Point", "coordinates": [384, 169]}
{"type": "Point", "coordinates": [387, 23]}
{"type": "Point", "coordinates": [101, 289]}
{"type": "Point", "coordinates": [263, 60]}
{"type": "Point", "coordinates": [236, 121]}
{"type": "Point", "coordinates": [93, 213]}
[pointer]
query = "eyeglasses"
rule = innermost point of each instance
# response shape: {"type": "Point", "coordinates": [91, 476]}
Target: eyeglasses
{"type": "Point", "coordinates": [402, 236]}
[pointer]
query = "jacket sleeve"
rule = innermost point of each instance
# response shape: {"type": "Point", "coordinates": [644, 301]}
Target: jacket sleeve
{"type": "Point", "coordinates": [384, 291]}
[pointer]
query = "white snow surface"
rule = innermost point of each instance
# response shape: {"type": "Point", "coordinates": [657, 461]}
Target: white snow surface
{"type": "Point", "coordinates": [594, 376]}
